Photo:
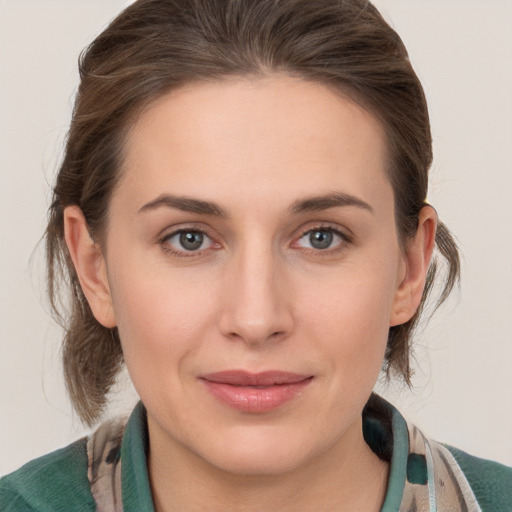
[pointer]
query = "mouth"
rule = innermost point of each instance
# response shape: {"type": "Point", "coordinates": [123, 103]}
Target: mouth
{"type": "Point", "coordinates": [255, 392]}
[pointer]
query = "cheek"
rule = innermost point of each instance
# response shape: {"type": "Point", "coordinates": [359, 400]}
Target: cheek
{"type": "Point", "coordinates": [161, 318]}
{"type": "Point", "coordinates": [349, 315]}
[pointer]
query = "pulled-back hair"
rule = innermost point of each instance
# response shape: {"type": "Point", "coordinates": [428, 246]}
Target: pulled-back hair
{"type": "Point", "coordinates": [155, 46]}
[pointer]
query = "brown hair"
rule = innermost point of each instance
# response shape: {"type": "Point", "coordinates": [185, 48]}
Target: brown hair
{"type": "Point", "coordinates": [154, 46]}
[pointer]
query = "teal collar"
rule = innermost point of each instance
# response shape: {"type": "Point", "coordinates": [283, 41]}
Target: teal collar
{"type": "Point", "coordinates": [398, 463]}
{"type": "Point", "coordinates": [134, 474]}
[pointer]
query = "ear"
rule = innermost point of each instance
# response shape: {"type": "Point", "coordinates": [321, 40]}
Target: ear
{"type": "Point", "coordinates": [90, 265]}
{"type": "Point", "coordinates": [416, 259]}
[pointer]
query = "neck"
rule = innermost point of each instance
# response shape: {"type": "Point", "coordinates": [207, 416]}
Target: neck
{"type": "Point", "coordinates": [348, 477]}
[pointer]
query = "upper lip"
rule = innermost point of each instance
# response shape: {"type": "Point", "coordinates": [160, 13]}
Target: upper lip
{"type": "Point", "coordinates": [245, 378]}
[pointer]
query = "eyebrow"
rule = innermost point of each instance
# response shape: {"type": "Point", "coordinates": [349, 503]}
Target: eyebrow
{"type": "Point", "coordinates": [185, 204]}
{"type": "Point", "coordinates": [324, 202]}
{"type": "Point", "coordinates": [202, 207]}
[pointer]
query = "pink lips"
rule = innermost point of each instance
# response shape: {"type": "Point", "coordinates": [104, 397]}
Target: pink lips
{"type": "Point", "coordinates": [255, 392]}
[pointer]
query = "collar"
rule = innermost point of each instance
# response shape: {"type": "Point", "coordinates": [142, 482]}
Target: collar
{"type": "Point", "coordinates": [134, 451]}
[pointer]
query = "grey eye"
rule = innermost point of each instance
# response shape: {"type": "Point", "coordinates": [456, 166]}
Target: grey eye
{"type": "Point", "coordinates": [187, 240]}
{"type": "Point", "coordinates": [320, 239]}
{"type": "Point", "coordinates": [191, 240]}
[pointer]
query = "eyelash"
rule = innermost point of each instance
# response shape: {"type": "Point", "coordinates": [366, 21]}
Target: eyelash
{"type": "Point", "coordinates": [167, 247]}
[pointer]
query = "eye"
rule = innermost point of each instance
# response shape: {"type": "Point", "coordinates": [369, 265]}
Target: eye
{"type": "Point", "coordinates": [187, 240]}
{"type": "Point", "coordinates": [321, 239]}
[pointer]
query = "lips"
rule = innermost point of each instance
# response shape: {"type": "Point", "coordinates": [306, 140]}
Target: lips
{"type": "Point", "coordinates": [255, 392]}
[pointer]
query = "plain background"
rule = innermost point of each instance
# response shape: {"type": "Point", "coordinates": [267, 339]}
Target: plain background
{"type": "Point", "coordinates": [462, 51]}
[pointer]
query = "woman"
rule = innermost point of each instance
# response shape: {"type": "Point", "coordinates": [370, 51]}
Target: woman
{"type": "Point", "coordinates": [241, 215]}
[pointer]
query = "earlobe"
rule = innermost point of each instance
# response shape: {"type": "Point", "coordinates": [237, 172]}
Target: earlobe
{"type": "Point", "coordinates": [416, 262]}
{"type": "Point", "coordinates": [89, 264]}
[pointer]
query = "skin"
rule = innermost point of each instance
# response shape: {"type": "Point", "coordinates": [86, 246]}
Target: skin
{"type": "Point", "coordinates": [257, 295]}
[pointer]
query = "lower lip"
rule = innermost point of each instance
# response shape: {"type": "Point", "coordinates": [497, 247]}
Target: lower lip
{"type": "Point", "coordinates": [255, 399]}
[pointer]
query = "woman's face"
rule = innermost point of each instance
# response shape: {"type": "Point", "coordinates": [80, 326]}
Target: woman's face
{"type": "Point", "coordinates": [254, 269]}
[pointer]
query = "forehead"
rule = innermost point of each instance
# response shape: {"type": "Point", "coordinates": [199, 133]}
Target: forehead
{"type": "Point", "coordinates": [243, 136]}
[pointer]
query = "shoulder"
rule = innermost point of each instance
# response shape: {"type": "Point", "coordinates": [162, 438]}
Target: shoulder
{"type": "Point", "coordinates": [490, 481]}
{"type": "Point", "coordinates": [55, 482]}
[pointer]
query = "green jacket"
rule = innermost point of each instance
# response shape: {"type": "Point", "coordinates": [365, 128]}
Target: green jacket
{"type": "Point", "coordinates": [424, 475]}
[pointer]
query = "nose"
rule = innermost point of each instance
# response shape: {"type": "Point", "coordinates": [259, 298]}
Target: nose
{"type": "Point", "coordinates": [257, 300]}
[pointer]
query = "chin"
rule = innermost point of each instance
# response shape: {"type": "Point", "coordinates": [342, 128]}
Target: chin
{"type": "Point", "coordinates": [259, 454]}
{"type": "Point", "coordinates": [261, 464]}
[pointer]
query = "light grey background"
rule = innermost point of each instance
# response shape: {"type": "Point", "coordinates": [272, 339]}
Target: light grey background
{"type": "Point", "coordinates": [462, 51]}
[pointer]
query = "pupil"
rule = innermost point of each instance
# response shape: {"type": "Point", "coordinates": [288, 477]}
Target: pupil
{"type": "Point", "coordinates": [191, 240]}
{"type": "Point", "coordinates": [320, 239]}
